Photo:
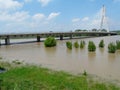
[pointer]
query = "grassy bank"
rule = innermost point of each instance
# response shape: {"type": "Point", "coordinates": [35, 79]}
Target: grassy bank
{"type": "Point", "coordinates": [37, 78]}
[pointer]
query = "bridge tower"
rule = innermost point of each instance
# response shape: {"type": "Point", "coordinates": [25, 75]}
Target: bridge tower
{"type": "Point", "coordinates": [104, 22]}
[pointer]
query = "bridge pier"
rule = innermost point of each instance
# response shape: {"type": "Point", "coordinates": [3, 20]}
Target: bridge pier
{"type": "Point", "coordinates": [7, 40]}
{"type": "Point", "coordinates": [61, 37]}
{"type": "Point", "coordinates": [70, 36]}
{"type": "Point", "coordinates": [38, 38]}
{"type": "Point", "coordinates": [100, 35]}
{"type": "Point", "coordinates": [109, 34]}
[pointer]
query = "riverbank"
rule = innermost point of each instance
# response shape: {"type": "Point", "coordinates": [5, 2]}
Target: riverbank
{"type": "Point", "coordinates": [30, 77]}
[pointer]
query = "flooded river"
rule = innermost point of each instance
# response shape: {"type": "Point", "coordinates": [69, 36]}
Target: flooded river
{"type": "Point", "coordinates": [99, 63]}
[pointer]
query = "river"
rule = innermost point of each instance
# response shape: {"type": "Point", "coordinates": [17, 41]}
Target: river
{"type": "Point", "coordinates": [100, 63]}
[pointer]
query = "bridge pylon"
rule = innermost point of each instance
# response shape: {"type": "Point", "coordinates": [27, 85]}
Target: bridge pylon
{"type": "Point", "coordinates": [104, 21]}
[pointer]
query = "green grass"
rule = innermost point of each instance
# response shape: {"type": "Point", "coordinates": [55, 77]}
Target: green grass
{"type": "Point", "coordinates": [37, 78]}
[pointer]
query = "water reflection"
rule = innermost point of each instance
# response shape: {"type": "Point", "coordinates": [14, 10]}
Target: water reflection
{"type": "Point", "coordinates": [50, 51]}
{"type": "Point", "coordinates": [91, 55]}
{"type": "Point", "coordinates": [69, 51]}
{"type": "Point", "coordinates": [101, 50]}
{"type": "Point", "coordinates": [111, 57]}
{"type": "Point", "coordinates": [77, 50]}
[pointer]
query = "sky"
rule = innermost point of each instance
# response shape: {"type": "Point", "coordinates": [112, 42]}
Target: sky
{"type": "Point", "coordinates": [18, 16]}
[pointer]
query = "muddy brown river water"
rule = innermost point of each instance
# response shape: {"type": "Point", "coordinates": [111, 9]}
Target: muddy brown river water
{"type": "Point", "coordinates": [100, 63]}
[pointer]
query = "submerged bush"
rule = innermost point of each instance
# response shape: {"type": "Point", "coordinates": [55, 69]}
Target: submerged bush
{"type": "Point", "coordinates": [76, 44]}
{"type": "Point", "coordinates": [82, 44]}
{"type": "Point", "coordinates": [101, 44]}
{"type": "Point", "coordinates": [2, 68]}
{"type": "Point", "coordinates": [85, 73]}
{"type": "Point", "coordinates": [111, 48]}
{"type": "Point", "coordinates": [118, 44]}
{"type": "Point", "coordinates": [91, 46]}
{"type": "Point", "coordinates": [69, 44]}
{"type": "Point", "coordinates": [50, 42]}
{"type": "Point", "coordinates": [1, 58]}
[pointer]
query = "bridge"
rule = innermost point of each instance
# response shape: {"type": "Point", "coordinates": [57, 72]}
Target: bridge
{"type": "Point", "coordinates": [61, 35]}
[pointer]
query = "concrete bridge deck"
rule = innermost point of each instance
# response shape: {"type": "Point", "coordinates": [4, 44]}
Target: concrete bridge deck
{"type": "Point", "coordinates": [7, 37]}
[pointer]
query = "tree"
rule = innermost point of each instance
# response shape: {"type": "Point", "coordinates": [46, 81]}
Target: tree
{"type": "Point", "coordinates": [91, 46]}
{"type": "Point", "coordinates": [94, 29]}
{"type": "Point", "coordinates": [104, 30]}
{"type": "Point", "coordinates": [69, 44]}
{"type": "Point", "coordinates": [50, 42]}
{"type": "Point", "coordinates": [76, 45]}
{"type": "Point", "coordinates": [101, 44]}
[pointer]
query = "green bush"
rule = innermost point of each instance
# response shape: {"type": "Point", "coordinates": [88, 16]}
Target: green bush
{"type": "Point", "coordinates": [101, 44]}
{"type": "Point", "coordinates": [50, 42]}
{"type": "Point", "coordinates": [82, 44]}
{"type": "Point", "coordinates": [111, 48]}
{"type": "Point", "coordinates": [76, 44]}
{"type": "Point", "coordinates": [69, 44]}
{"type": "Point", "coordinates": [91, 46]}
{"type": "Point", "coordinates": [85, 73]}
{"type": "Point", "coordinates": [118, 44]}
{"type": "Point", "coordinates": [2, 68]}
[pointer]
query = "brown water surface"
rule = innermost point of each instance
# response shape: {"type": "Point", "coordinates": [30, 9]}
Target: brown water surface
{"type": "Point", "coordinates": [99, 63]}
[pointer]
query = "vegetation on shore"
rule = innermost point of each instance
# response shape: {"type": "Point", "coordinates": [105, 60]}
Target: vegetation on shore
{"type": "Point", "coordinates": [91, 46]}
{"type": "Point", "coordinates": [37, 78]}
{"type": "Point", "coordinates": [117, 31]}
{"type": "Point", "coordinates": [50, 42]}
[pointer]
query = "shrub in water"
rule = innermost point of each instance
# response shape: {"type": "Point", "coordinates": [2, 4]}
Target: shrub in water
{"type": "Point", "coordinates": [2, 68]}
{"type": "Point", "coordinates": [118, 44]}
{"type": "Point", "coordinates": [82, 44]}
{"type": "Point", "coordinates": [111, 48]}
{"type": "Point", "coordinates": [91, 46]}
{"type": "Point", "coordinates": [101, 44]}
{"type": "Point", "coordinates": [69, 45]}
{"type": "Point", "coordinates": [85, 73]}
{"type": "Point", "coordinates": [76, 45]}
{"type": "Point", "coordinates": [50, 42]}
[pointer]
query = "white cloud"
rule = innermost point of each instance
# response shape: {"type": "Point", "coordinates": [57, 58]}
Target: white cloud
{"type": "Point", "coordinates": [17, 21]}
{"type": "Point", "coordinates": [9, 5]}
{"type": "Point", "coordinates": [89, 22]}
{"type": "Point", "coordinates": [15, 17]}
{"type": "Point", "coordinates": [75, 19]}
{"type": "Point", "coordinates": [85, 19]}
{"type": "Point", "coordinates": [95, 21]}
{"type": "Point", "coordinates": [39, 16]}
{"type": "Point", "coordinates": [44, 2]}
{"type": "Point", "coordinates": [53, 15]}
{"type": "Point", "coordinates": [43, 18]}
